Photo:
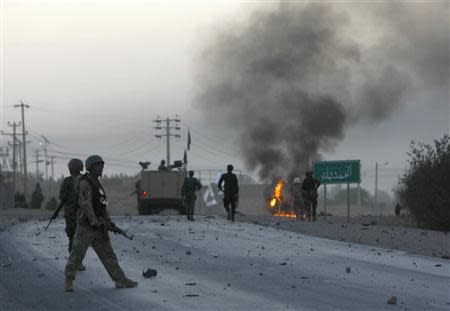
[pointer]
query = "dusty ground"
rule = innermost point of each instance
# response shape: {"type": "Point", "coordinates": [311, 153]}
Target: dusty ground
{"type": "Point", "coordinates": [379, 231]}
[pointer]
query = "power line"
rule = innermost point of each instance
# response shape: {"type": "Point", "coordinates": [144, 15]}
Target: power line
{"type": "Point", "coordinates": [216, 141]}
{"type": "Point", "coordinates": [24, 144]}
{"type": "Point", "coordinates": [168, 132]}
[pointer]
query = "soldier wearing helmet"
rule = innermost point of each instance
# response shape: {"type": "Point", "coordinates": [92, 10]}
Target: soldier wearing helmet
{"type": "Point", "coordinates": [190, 186]}
{"type": "Point", "coordinates": [296, 191]}
{"type": "Point", "coordinates": [68, 195]}
{"type": "Point", "coordinates": [162, 166]}
{"type": "Point", "coordinates": [231, 191]}
{"type": "Point", "coordinates": [90, 230]}
{"type": "Point", "coordinates": [309, 188]}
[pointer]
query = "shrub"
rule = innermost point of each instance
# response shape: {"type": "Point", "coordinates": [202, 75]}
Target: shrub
{"type": "Point", "coordinates": [424, 188]}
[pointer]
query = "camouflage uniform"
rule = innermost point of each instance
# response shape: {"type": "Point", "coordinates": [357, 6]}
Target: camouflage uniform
{"type": "Point", "coordinates": [92, 202]}
{"type": "Point", "coordinates": [69, 196]}
{"type": "Point", "coordinates": [188, 191]}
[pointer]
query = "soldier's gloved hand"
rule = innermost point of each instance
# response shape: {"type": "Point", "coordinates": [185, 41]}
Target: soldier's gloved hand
{"type": "Point", "coordinates": [97, 225]}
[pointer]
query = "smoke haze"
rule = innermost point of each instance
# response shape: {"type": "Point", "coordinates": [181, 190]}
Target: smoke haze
{"type": "Point", "coordinates": [292, 78]}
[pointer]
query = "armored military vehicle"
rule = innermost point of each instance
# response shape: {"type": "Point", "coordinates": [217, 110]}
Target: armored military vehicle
{"type": "Point", "coordinates": [160, 190]}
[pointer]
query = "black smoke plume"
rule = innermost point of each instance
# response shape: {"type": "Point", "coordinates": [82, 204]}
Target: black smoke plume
{"type": "Point", "coordinates": [293, 77]}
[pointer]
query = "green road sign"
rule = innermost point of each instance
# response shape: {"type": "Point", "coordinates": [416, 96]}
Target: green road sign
{"type": "Point", "coordinates": [338, 172]}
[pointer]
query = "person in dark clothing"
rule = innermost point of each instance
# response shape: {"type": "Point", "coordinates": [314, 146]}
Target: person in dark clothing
{"type": "Point", "coordinates": [231, 191]}
{"type": "Point", "coordinates": [69, 195]}
{"type": "Point", "coordinates": [162, 166]}
{"type": "Point", "coordinates": [190, 186]}
{"type": "Point", "coordinates": [309, 188]}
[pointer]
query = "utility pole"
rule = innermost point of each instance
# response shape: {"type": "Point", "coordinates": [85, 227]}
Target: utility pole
{"type": "Point", "coordinates": [45, 146]}
{"type": "Point", "coordinates": [52, 159]}
{"type": "Point", "coordinates": [14, 125]}
{"type": "Point", "coordinates": [24, 142]}
{"type": "Point", "coordinates": [168, 128]}
{"type": "Point", "coordinates": [376, 182]}
{"type": "Point", "coordinates": [376, 186]}
{"type": "Point", "coordinates": [19, 143]}
{"type": "Point", "coordinates": [37, 164]}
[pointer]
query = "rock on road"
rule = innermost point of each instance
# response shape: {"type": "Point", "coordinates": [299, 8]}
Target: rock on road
{"type": "Point", "coordinates": [211, 264]}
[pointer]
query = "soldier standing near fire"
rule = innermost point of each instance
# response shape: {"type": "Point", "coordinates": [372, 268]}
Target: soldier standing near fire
{"type": "Point", "coordinates": [91, 229]}
{"type": "Point", "coordinates": [69, 196]}
{"type": "Point", "coordinates": [310, 195]}
{"type": "Point", "coordinates": [297, 194]}
{"type": "Point", "coordinates": [190, 186]}
{"type": "Point", "coordinates": [231, 192]}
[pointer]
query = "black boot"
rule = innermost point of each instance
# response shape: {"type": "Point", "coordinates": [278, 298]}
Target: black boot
{"type": "Point", "coordinates": [232, 217]}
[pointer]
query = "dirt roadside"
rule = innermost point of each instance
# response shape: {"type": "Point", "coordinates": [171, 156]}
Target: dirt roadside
{"type": "Point", "coordinates": [379, 231]}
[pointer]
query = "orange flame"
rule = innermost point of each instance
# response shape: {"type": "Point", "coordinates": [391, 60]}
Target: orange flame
{"type": "Point", "coordinates": [290, 214]}
{"type": "Point", "coordinates": [276, 198]}
{"type": "Point", "coordinates": [278, 188]}
{"type": "Point", "coordinates": [273, 202]}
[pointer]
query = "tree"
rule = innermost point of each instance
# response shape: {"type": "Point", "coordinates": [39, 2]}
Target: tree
{"type": "Point", "coordinates": [424, 187]}
{"type": "Point", "coordinates": [37, 197]}
{"type": "Point", "coordinates": [20, 201]}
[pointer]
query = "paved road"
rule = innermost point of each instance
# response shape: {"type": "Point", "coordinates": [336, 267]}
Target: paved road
{"type": "Point", "coordinates": [214, 265]}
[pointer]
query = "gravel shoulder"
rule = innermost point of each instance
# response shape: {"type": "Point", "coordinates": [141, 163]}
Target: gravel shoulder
{"type": "Point", "coordinates": [380, 231]}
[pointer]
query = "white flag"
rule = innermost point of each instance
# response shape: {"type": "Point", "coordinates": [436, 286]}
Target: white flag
{"type": "Point", "coordinates": [208, 197]}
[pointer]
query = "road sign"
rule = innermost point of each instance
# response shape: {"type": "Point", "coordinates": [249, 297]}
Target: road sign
{"type": "Point", "coordinates": [338, 172]}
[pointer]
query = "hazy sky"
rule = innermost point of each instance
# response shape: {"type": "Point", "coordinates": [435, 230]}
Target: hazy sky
{"type": "Point", "coordinates": [96, 73]}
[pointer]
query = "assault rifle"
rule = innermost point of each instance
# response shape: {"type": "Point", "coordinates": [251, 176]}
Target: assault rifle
{"type": "Point", "coordinates": [110, 226]}
{"type": "Point", "coordinates": [55, 214]}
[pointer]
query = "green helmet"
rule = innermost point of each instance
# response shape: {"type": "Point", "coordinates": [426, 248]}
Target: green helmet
{"type": "Point", "coordinates": [92, 160]}
{"type": "Point", "coordinates": [75, 165]}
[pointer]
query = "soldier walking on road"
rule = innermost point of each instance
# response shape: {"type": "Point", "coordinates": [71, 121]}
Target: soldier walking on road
{"type": "Point", "coordinates": [190, 186]}
{"type": "Point", "coordinates": [309, 188]}
{"type": "Point", "coordinates": [231, 192]}
{"type": "Point", "coordinates": [69, 195]}
{"type": "Point", "coordinates": [90, 230]}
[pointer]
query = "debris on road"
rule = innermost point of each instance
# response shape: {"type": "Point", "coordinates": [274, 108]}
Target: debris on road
{"type": "Point", "coordinates": [392, 300]}
{"type": "Point", "coordinates": [149, 273]}
{"type": "Point", "coordinates": [190, 283]}
{"type": "Point", "coordinates": [348, 270]}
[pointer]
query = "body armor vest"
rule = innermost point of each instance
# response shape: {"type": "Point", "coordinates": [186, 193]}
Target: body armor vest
{"type": "Point", "coordinates": [99, 200]}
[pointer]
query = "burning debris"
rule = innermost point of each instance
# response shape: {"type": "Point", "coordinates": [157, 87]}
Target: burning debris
{"type": "Point", "coordinates": [277, 203]}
